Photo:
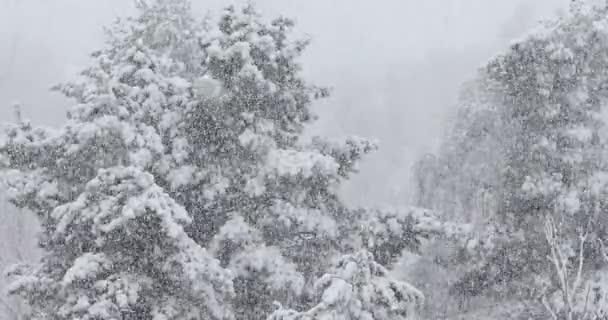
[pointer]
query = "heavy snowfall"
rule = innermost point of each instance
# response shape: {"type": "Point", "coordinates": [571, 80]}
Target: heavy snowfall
{"type": "Point", "coordinates": [303, 160]}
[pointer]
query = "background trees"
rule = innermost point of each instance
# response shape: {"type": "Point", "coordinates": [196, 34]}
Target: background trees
{"type": "Point", "coordinates": [542, 133]}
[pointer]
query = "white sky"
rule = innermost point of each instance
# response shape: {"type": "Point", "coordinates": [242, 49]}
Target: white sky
{"type": "Point", "coordinates": [395, 65]}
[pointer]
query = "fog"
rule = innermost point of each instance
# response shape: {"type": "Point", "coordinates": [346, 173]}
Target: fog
{"type": "Point", "coordinates": [395, 66]}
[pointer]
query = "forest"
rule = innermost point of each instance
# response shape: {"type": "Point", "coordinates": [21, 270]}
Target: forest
{"type": "Point", "coordinates": [183, 184]}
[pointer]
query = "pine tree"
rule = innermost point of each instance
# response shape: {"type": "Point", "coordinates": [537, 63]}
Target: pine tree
{"type": "Point", "coordinates": [263, 200]}
{"type": "Point", "coordinates": [180, 186]}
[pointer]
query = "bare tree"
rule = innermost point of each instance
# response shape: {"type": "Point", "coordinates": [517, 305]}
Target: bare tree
{"type": "Point", "coordinates": [569, 284]}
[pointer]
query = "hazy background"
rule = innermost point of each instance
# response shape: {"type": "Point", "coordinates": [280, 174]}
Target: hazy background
{"type": "Point", "coordinates": [395, 65]}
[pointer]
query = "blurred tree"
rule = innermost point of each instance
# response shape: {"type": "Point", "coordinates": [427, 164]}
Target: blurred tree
{"type": "Point", "coordinates": [537, 147]}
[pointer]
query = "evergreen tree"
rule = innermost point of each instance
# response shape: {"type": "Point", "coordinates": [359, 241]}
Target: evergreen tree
{"type": "Point", "coordinates": [265, 201]}
{"type": "Point", "coordinates": [180, 186]}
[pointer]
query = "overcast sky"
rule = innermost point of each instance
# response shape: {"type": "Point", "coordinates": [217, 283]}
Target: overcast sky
{"type": "Point", "coordinates": [395, 65]}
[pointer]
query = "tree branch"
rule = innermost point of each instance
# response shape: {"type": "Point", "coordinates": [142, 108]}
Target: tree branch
{"type": "Point", "coordinates": [579, 274]}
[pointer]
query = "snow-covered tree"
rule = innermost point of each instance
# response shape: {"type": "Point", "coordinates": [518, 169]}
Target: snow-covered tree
{"type": "Point", "coordinates": [553, 91]}
{"type": "Point", "coordinates": [547, 153]}
{"type": "Point", "coordinates": [180, 186]}
{"type": "Point", "coordinates": [262, 199]}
